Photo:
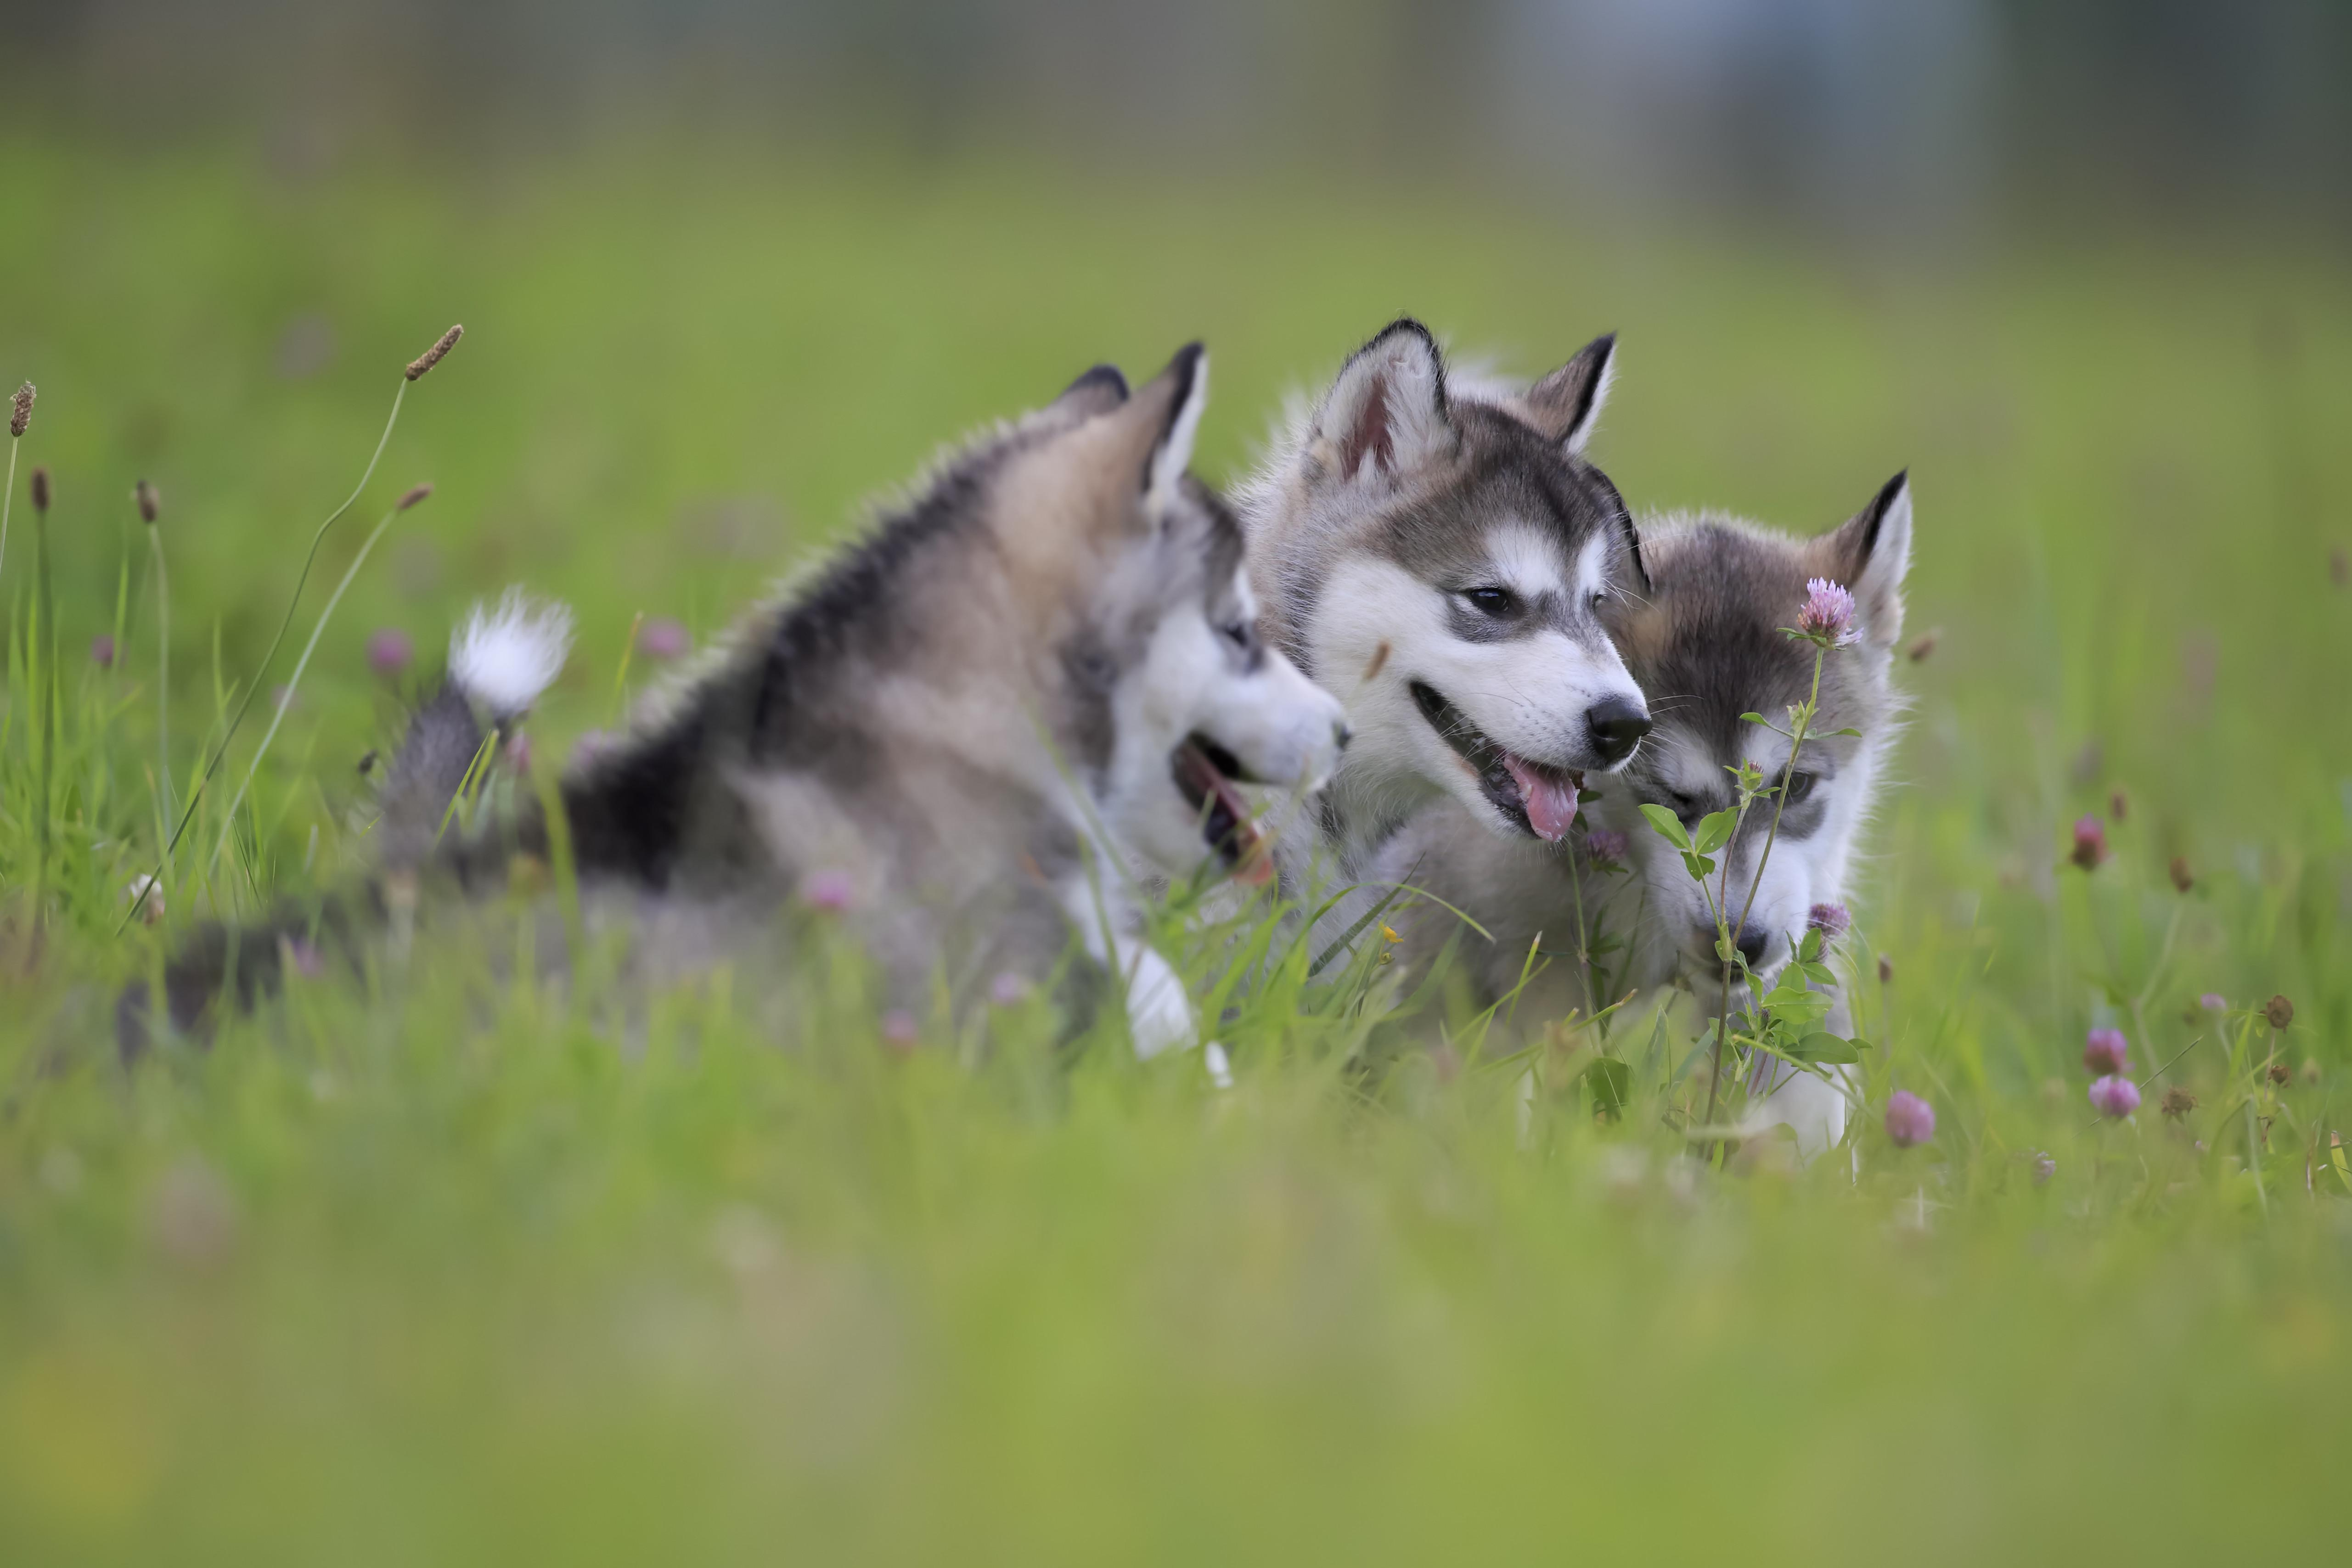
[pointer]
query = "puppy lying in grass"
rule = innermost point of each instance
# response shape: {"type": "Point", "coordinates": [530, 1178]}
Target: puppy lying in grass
{"type": "Point", "coordinates": [962, 739]}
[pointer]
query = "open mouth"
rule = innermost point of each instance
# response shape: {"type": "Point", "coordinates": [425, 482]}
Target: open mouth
{"type": "Point", "coordinates": [1535, 796]}
{"type": "Point", "coordinates": [1206, 774]}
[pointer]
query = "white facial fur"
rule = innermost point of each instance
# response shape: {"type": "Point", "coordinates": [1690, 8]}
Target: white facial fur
{"type": "Point", "coordinates": [1282, 727]}
{"type": "Point", "coordinates": [1800, 872]}
{"type": "Point", "coordinates": [1529, 693]}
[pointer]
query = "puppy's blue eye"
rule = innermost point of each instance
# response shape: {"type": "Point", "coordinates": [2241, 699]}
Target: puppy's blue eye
{"type": "Point", "coordinates": [1799, 786]}
{"type": "Point", "coordinates": [1497, 601]}
{"type": "Point", "coordinates": [1237, 634]}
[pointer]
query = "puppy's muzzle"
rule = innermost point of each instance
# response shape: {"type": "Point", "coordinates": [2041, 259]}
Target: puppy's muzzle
{"type": "Point", "coordinates": [1614, 726]}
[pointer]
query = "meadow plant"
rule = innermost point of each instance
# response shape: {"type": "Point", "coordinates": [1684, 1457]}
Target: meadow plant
{"type": "Point", "coordinates": [390, 652]}
{"type": "Point", "coordinates": [664, 637]}
{"type": "Point", "coordinates": [2106, 1050]}
{"type": "Point", "coordinates": [2114, 1096]}
{"type": "Point", "coordinates": [1910, 1121]}
{"type": "Point", "coordinates": [416, 369]}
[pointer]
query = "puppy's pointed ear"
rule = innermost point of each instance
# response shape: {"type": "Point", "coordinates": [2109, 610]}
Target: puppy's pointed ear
{"type": "Point", "coordinates": [1099, 391]}
{"type": "Point", "coordinates": [1869, 553]}
{"type": "Point", "coordinates": [1387, 414]}
{"type": "Point", "coordinates": [1174, 400]}
{"type": "Point", "coordinates": [1566, 404]}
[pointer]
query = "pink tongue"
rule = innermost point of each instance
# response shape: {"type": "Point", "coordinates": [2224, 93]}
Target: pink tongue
{"type": "Point", "coordinates": [1551, 806]}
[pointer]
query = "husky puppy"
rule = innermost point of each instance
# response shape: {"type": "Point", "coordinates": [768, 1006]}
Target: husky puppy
{"type": "Point", "coordinates": [957, 739]}
{"type": "Point", "coordinates": [1706, 645]}
{"type": "Point", "coordinates": [1438, 551]}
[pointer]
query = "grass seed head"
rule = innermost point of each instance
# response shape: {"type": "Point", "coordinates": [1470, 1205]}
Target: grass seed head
{"type": "Point", "coordinates": [415, 493]}
{"type": "Point", "coordinates": [20, 412]}
{"type": "Point", "coordinates": [1886, 969]}
{"type": "Point", "coordinates": [41, 489]}
{"type": "Point", "coordinates": [2178, 1102]}
{"type": "Point", "coordinates": [433, 355]}
{"type": "Point", "coordinates": [2181, 881]}
{"type": "Point", "coordinates": [2118, 805]}
{"type": "Point", "coordinates": [150, 504]}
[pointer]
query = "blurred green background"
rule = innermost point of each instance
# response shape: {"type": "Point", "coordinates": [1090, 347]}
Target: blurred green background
{"type": "Point", "coordinates": [445, 1274]}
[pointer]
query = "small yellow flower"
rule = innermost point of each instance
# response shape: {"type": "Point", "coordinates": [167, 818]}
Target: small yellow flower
{"type": "Point", "coordinates": [1388, 933]}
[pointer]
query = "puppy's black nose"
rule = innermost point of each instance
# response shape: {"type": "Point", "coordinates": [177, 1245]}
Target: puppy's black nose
{"type": "Point", "coordinates": [1343, 733]}
{"type": "Point", "coordinates": [1752, 943]}
{"type": "Point", "coordinates": [1615, 727]}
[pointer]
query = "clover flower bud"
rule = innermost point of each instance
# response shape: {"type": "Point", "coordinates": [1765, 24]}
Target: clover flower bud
{"type": "Point", "coordinates": [1830, 919]}
{"type": "Point", "coordinates": [2279, 1011]}
{"type": "Point", "coordinates": [2115, 1095]}
{"type": "Point", "coordinates": [2106, 1050]}
{"type": "Point", "coordinates": [1910, 1121]}
{"type": "Point", "coordinates": [664, 638]}
{"type": "Point", "coordinates": [390, 652]}
{"type": "Point", "coordinates": [830, 891]}
{"type": "Point", "coordinates": [1827, 615]}
{"type": "Point", "coordinates": [2090, 843]}
{"type": "Point", "coordinates": [1605, 846]}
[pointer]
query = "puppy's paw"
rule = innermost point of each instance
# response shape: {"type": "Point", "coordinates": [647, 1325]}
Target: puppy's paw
{"type": "Point", "coordinates": [1159, 1014]}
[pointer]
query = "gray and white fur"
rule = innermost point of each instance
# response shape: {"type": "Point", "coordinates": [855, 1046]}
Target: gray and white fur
{"type": "Point", "coordinates": [1706, 645]}
{"type": "Point", "coordinates": [1041, 669]}
{"type": "Point", "coordinates": [1440, 553]}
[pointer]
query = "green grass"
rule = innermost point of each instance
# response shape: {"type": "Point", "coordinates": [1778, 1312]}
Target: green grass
{"type": "Point", "coordinates": [440, 1267]}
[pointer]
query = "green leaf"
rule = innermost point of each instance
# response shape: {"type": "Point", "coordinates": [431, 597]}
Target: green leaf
{"type": "Point", "coordinates": [1715, 831]}
{"type": "Point", "coordinates": [1700, 866]}
{"type": "Point", "coordinates": [1848, 730]}
{"type": "Point", "coordinates": [1810, 949]}
{"type": "Point", "coordinates": [1825, 1048]}
{"type": "Point", "coordinates": [1751, 718]}
{"type": "Point", "coordinates": [1669, 826]}
{"type": "Point", "coordinates": [1611, 1082]}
